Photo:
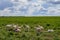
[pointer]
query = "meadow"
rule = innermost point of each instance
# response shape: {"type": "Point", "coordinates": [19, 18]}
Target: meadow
{"type": "Point", "coordinates": [47, 22]}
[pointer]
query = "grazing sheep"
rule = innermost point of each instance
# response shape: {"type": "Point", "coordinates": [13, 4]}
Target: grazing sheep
{"type": "Point", "coordinates": [50, 30]}
{"type": "Point", "coordinates": [39, 29]}
{"type": "Point", "coordinates": [26, 27]}
{"type": "Point", "coordinates": [19, 27]}
{"type": "Point", "coordinates": [9, 27]}
{"type": "Point", "coordinates": [17, 30]}
{"type": "Point", "coordinates": [13, 27]}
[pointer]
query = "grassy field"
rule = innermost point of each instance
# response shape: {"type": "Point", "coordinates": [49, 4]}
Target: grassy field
{"type": "Point", "coordinates": [46, 22]}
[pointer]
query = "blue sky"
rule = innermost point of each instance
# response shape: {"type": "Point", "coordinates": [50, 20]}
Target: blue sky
{"type": "Point", "coordinates": [29, 7]}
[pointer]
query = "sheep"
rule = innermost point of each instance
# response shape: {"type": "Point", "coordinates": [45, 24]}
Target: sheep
{"type": "Point", "coordinates": [26, 27]}
{"type": "Point", "coordinates": [39, 29]}
{"type": "Point", "coordinates": [16, 28]}
{"type": "Point", "coordinates": [13, 27]}
{"type": "Point", "coordinates": [9, 27]}
{"type": "Point", "coordinates": [50, 30]}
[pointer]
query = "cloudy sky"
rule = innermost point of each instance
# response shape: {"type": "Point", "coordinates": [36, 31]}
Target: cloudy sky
{"type": "Point", "coordinates": [29, 7]}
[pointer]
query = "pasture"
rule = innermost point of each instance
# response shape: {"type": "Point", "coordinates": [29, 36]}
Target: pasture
{"type": "Point", "coordinates": [52, 22]}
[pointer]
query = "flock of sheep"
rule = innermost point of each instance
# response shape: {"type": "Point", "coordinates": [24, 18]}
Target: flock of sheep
{"type": "Point", "coordinates": [17, 28]}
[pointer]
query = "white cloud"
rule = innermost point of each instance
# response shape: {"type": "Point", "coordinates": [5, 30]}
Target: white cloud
{"type": "Point", "coordinates": [27, 8]}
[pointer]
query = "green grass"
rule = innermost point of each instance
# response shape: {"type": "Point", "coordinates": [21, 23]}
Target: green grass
{"type": "Point", "coordinates": [53, 22]}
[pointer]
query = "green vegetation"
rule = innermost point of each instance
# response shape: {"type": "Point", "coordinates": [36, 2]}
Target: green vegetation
{"type": "Point", "coordinates": [46, 22]}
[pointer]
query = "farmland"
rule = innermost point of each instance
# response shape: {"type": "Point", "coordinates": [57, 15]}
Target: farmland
{"type": "Point", "coordinates": [46, 22]}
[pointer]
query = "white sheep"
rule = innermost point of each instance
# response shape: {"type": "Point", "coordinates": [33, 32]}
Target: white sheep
{"type": "Point", "coordinates": [50, 30]}
{"type": "Point", "coordinates": [17, 30]}
{"type": "Point", "coordinates": [38, 30]}
{"type": "Point", "coordinates": [40, 27]}
{"type": "Point", "coordinates": [14, 26]}
{"type": "Point", "coordinates": [9, 25]}
{"type": "Point", "coordinates": [26, 27]}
